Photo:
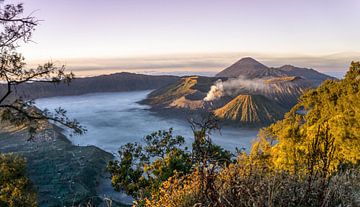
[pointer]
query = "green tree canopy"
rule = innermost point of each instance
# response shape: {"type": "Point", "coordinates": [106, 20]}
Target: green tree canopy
{"type": "Point", "coordinates": [322, 131]}
{"type": "Point", "coordinates": [15, 188]}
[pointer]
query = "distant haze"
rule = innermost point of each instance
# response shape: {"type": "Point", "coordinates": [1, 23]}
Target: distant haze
{"type": "Point", "coordinates": [200, 64]}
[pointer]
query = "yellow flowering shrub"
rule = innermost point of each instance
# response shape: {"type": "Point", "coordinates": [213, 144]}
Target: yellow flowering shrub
{"type": "Point", "coordinates": [177, 192]}
{"type": "Point", "coordinates": [15, 188]}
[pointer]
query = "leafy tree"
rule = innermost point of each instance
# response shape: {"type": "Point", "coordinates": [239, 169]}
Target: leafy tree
{"type": "Point", "coordinates": [17, 28]}
{"type": "Point", "coordinates": [208, 158]}
{"type": "Point", "coordinates": [15, 188]}
{"type": "Point", "coordinates": [204, 152]}
{"type": "Point", "coordinates": [141, 169]}
{"type": "Point", "coordinates": [320, 133]}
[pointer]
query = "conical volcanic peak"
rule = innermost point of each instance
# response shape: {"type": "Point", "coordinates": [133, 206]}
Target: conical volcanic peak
{"type": "Point", "coordinates": [250, 62]}
{"type": "Point", "coordinates": [249, 68]}
{"type": "Point", "coordinates": [251, 110]}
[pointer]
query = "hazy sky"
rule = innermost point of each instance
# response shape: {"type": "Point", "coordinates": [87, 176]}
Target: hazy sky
{"type": "Point", "coordinates": [141, 28]}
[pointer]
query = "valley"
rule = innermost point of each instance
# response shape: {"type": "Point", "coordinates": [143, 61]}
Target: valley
{"type": "Point", "coordinates": [114, 119]}
{"type": "Point", "coordinates": [179, 103]}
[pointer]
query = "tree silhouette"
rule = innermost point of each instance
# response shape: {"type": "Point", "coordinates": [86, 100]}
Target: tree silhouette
{"type": "Point", "coordinates": [17, 28]}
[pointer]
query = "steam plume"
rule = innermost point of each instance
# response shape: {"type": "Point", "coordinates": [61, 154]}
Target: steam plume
{"type": "Point", "coordinates": [216, 91]}
{"type": "Point", "coordinates": [234, 86]}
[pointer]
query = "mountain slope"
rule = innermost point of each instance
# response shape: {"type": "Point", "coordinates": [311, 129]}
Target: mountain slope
{"type": "Point", "coordinates": [283, 90]}
{"type": "Point", "coordinates": [58, 169]}
{"type": "Point", "coordinates": [305, 73]}
{"type": "Point", "coordinates": [251, 110]}
{"type": "Point", "coordinates": [187, 93]}
{"type": "Point", "coordinates": [249, 68]}
{"type": "Point", "coordinates": [117, 82]}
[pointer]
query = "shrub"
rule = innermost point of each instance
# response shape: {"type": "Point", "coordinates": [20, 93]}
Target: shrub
{"type": "Point", "coordinates": [15, 188]}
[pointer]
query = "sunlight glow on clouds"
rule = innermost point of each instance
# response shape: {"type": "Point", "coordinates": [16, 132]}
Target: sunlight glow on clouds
{"type": "Point", "coordinates": [200, 64]}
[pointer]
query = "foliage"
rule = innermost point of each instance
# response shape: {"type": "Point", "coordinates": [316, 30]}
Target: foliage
{"type": "Point", "coordinates": [204, 152]}
{"type": "Point", "coordinates": [141, 170]}
{"type": "Point", "coordinates": [15, 29]}
{"type": "Point", "coordinates": [320, 133]}
{"type": "Point", "coordinates": [179, 191]}
{"type": "Point", "coordinates": [15, 188]}
{"type": "Point", "coordinates": [247, 184]}
{"type": "Point", "coordinates": [208, 158]}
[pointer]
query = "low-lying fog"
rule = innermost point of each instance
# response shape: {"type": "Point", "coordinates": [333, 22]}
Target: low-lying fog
{"type": "Point", "coordinates": [114, 119]}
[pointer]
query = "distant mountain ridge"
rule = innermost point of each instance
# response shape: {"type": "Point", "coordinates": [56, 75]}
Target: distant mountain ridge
{"type": "Point", "coordinates": [251, 68]}
{"type": "Point", "coordinates": [118, 82]}
{"type": "Point", "coordinates": [306, 73]}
